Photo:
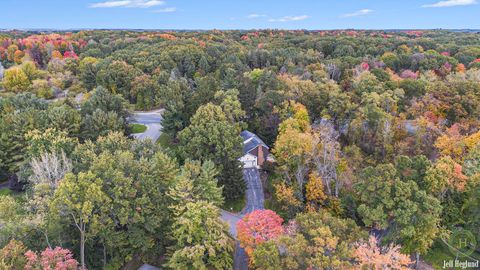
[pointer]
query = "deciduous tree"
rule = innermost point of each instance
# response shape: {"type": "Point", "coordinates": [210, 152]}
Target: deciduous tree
{"type": "Point", "coordinates": [258, 227]}
{"type": "Point", "coordinates": [80, 199]}
{"type": "Point", "coordinates": [12, 255]}
{"type": "Point", "coordinates": [57, 258]}
{"type": "Point", "coordinates": [15, 80]}
{"type": "Point", "coordinates": [317, 240]}
{"type": "Point", "coordinates": [202, 240]}
{"type": "Point", "coordinates": [373, 256]}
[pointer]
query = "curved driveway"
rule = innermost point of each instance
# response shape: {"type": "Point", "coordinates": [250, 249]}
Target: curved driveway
{"type": "Point", "coordinates": [152, 120]}
{"type": "Point", "coordinates": [255, 201]}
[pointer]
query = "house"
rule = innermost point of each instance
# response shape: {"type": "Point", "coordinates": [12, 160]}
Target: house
{"type": "Point", "coordinates": [255, 151]}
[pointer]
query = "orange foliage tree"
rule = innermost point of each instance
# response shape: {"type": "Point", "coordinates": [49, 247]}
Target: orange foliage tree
{"type": "Point", "coordinates": [461, 68]}
{"type": "Point", "coordinates": [57, 55]}
{"type": "Point", "coordinates": [456, 145]}
{"type": "Point", "coordinates": [17, 56]}
{"type": "Point", "coordinates": [372, 256]}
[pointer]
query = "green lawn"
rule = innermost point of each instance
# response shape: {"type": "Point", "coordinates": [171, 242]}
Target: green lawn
{"type": "Point", "coordinates": [164, 140]}
{"type": "Point", "coordinates": [5, 192]}
{"type": "Point", "coordinates": [235, 206]}
{"type": "Point", "coordinates": [167, 142]}
{"type": "Point", "coordinates": [138, 128]}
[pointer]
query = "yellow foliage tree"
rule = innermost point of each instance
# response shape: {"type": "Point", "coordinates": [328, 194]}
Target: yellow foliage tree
{"type": "Point", "coordinates": [295, 111]}
{"type": "Point", "coordinates": [57, 55]}
{"type": "Point", "coordinates": [315, 194]}
{"type": "Point", "coordinates": [456, 145]}
{"type": "Point", "coordinates": [286, 197]}
{"type": "Point", "coordinates": [15, 80]}
{"type": "Point", "coordinates": [11, 51]}
{"type": "Point", "coordinates": [292, 149]}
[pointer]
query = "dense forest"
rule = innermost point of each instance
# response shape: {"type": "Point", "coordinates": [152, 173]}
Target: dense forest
{"type": "Point", "coordinates": [374, 137]}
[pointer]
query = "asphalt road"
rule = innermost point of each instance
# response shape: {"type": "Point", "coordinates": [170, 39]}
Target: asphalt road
{"type": "Point", "coordinates": [152, 120]}
{"type": "Point", "coordinates": [255, 201]}
{"type": "Point", "coordinates": [255, 197]}
{"type": "Point", "coordinates": [232, 220]}
{"type": "Point", "coordinates": [240, 259]}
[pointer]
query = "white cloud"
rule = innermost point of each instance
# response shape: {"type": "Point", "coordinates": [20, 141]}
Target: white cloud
{"type": "Point", "coordinates": [290, 18]}
{"type": "Point", "coordinates": [128, 4]}
{"type": "Point", "coordinates": [357, 13]}
{"type": "Point", "coordinates": [165, 10]}
{"type": "Point", "coordinates": [110, 4]}
{"type": "Point", "coordinates": [256, 16]}
{"type": "Point", "coordinates": [452, 3]}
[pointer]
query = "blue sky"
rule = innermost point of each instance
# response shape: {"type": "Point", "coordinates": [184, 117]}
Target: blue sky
{"type": "Point", "coordinates": [240, 14]}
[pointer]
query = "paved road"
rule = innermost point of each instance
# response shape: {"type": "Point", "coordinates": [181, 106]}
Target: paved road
{"type": "Point", "coordinates": [152, 120]}
{"type": "Point", "coordinates": [240, 259]}
{"type": "Point", "coordinates": [232, 220]}
{"type": "Point", "coordinates": [255, 197]}
{"type": "Point", "coordinates": [255, 201]}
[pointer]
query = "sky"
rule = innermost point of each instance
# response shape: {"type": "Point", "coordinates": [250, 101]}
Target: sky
{"type": "Point", "coordinates": [239, 14]}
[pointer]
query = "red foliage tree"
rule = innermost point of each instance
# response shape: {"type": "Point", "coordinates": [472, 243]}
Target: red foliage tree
{"type": "Point", "coordinates": [258, 227]}
{"type": "Point", "coordinates": [365, 66]}
{"type": "Point", "coordinates": [58, 259]}
{"type": "Point", "coordinates": [70, 54]}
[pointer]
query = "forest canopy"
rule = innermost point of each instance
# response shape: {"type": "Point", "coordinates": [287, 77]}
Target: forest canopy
{"type": "Point", "coordinates": [370, 133]}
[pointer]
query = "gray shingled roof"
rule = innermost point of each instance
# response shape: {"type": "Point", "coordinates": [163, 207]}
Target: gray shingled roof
{"type": "Point", "coordinates": [148, 267]}
{"type": "Point", "coordinates": [250, 141]}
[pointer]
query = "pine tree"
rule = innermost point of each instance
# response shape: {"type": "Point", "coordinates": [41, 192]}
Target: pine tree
{"type": "Point", "coordinates": [211, 136]}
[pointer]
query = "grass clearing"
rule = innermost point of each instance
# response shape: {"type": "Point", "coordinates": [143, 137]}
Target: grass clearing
{"type": "Point", "coordinates": [234, 206]}
{"type": "Point", "coordinates": [137, 128]}
{"type": "Point", "coordinates": [166, 141]}
{"type": "Point", "coordinates": [5, 192]}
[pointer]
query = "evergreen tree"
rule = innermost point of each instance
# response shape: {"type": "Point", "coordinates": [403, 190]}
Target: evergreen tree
{"type": "Point", "coordinates": [211, 136]}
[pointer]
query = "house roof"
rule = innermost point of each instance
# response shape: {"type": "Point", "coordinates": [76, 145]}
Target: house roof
{"type": "Point", "coordinates": [148, 267]}
{"type": "Point", "coordinates": [251, 141]}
